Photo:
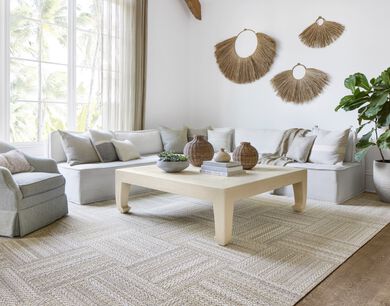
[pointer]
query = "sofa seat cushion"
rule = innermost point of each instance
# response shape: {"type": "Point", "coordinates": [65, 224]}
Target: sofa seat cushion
{"type": "Point", "coordinates": [144, 160]}
{"type": "Point", "coordinates": [32, 183]}
{"type": "Point", "coordinates": [96, 182]}
{"type": "Point", "coordinates": [314, 166]}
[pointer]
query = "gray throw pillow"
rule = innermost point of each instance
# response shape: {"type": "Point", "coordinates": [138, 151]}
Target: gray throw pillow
{"type": "Point", "coordinates": [299, 149]}
{"type": "Point", "coordinates": [173, 140]}
{"type": "Point", "coordinates": [78, 149]}
{"type": "Point", "coordinates": [197, 132]}
{"type": "Point", "coordinates": [101, 140]}
{"type": "Point", "coordinates": [329, 147]}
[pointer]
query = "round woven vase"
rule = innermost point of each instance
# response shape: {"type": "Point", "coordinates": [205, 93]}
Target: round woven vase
{"type": "Point", "coordinates": [198, 150]}
{"type": "Point", "coordinates": [246, 154]}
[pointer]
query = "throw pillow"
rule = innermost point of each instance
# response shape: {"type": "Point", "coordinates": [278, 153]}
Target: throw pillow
{"type": "Point", "coordinates": [221, 139]}
{"type": "Point", "coordinates": [197, 132]}
{"type": "Point", "coordinates": [101, 140]}
{"type": "Point", "coordinates": [78, 149]}
{"type": "Point", "coordinates": [329, 147]}
{"type": "Point", "coordinates": [15, 162]}
{"type": "Point", "coordinates": [173, 140]}
{"type": "Point", "coordinates": [125, 150]}
{"type": "Point", "coordinates": [4, 162]}
{"type": "Point", "coordinates": [299, 149]}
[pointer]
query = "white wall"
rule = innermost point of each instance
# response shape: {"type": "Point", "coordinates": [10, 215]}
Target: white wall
{"type": "Point", "coordinates": [168, 69]}
{"type": "Point", "coordinates": [185, 85]}
{"type": "Point", "coordinates": [217, 101]}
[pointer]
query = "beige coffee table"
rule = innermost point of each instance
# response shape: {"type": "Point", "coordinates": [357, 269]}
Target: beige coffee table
{"type": "Point", "coordinates": [221, 191]}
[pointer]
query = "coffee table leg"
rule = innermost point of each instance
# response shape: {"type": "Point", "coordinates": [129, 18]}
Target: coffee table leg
{"type": "Point", "coordinates": [122, 197]}
{"type": "Point", "coordinates": [300, 195]}
{"type": "Point", "coordinates": [223, 220]}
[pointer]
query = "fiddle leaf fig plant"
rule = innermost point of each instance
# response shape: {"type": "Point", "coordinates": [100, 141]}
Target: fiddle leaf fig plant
{"type": "Point", "coordinates": [371, 99]}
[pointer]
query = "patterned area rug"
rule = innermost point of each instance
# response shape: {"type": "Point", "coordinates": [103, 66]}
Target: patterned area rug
{"type": "Point", "coordinates": [164, 254]}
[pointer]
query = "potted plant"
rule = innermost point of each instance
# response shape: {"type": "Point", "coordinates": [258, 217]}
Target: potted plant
{"type": "Point", "coordinates": [171, 162]}
{"type": "Point", "coordinates": [371, 99]}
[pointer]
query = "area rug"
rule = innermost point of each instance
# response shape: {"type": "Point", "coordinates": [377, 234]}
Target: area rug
{"type": "Point", "coordinates": [164, 254]}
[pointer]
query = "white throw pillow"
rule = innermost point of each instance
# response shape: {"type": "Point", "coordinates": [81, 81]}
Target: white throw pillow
{"type": "Point", "coordinates": [329, 147]}
{"type": "Point", "coordinates": [221, 139]}
{"type": "Point", "coordinates": [146, 141]}
{"type": "Point", "coordinates": [15, 162]}
{"type": "Point", "coordinates": [125, 150]}
{"type": "Point", "coordinates": [300, 148]}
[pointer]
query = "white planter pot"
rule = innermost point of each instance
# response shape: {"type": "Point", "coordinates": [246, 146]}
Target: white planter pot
{"type": "Point", "coordinates": [382, 180]}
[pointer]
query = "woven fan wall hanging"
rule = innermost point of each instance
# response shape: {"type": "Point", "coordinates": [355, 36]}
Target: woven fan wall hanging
{"type": "Point", "coordinates": [321, 33]}
{"type": "Point", "coordinates": [249, 69]}
{"type": "Point", "coordinates": [301, 90]}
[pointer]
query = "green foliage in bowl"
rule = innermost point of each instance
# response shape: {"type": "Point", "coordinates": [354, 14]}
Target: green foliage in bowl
{"type": "Point", "coordinates": [172, 157]}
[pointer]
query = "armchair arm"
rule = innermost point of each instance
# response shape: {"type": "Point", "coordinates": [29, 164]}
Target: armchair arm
{"type": "Point", "coordinates": [42, 164]}
{"type": "Point", "coordinates": [10, 193]}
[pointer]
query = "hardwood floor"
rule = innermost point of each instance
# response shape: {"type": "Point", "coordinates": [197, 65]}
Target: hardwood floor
{"type": "Point", "coordinates": [364, 279]}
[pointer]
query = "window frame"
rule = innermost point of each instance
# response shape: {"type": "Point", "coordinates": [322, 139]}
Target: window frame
{"type": "Point", "coordinates": [5, 60]}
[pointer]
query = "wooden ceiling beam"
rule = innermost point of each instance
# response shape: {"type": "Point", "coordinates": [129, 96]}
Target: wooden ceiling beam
{"type": "Point", "coordinates": [195, 8]}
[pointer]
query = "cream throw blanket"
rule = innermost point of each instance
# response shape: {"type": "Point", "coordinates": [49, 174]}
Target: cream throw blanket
{"type": "Point", "coordinates": [279, 157]}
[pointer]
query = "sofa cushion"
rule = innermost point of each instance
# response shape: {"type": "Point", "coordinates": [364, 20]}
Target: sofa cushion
{"type": "Point", "coordinates": [264, 140]}
{"type": "Point", "coordinates": [96, 182]}
{"type": "Point", "coordinates": [221, 138]}
{"type": "Point", "coordinates": [299, 149]}
{"type": "Point", "coordinates": [329, 147]}
{"type": "Point", "coordinates": [125, 150]}
{"type": "Point", "coordinates": [78, 149]}
{"type": "Point", "coordinates": [32, 183]}
{"type": "Point", "coordinates": [146, 141]}
{"type": "Point", "coordinates": [324, 167]}
{"type": "Point", "coordinates": [173, 140]}
{"type": "Point", "coordinates": [192, 132]}
{"type": "Point", "coordinates": [101, 140]}
{"type": "Point", "coordinates": [144, 160]}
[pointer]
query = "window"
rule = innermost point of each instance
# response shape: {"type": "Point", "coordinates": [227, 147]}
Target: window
{"type": "Point", "coordinates": [53, 59]}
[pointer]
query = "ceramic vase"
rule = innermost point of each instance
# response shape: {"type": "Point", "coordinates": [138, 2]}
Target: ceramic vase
{"type": "Point", "coordinates": [198, 150]}
{"type": "Point", "coordinates": [222, 156]}
{"type": "Point", "coordinates": [247, 155]}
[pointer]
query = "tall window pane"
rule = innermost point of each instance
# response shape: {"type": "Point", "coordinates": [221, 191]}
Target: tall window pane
{"type": "Point", "coordinates": [38, 68]}
{"type": "Point", "coordinates": [88, 61]}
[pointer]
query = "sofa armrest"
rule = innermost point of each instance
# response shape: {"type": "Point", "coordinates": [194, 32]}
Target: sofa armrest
{"type": "Point", "coordinates": [9, 191]}
{"type": "Point", "coordinates": [42, 164]}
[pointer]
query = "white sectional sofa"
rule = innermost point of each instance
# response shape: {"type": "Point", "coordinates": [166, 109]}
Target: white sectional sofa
{"type": "Point", "coordinates": [332, 183]}
{"type": "Point", "coordinates": [89, 183]}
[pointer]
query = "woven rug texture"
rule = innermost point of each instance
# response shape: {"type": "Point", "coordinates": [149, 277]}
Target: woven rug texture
{"type": "Point", "coordinates": [164, 253]}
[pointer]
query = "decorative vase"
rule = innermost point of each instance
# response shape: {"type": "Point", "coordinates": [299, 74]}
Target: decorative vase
{"type": "Point", "coordinates": [172, 167]}
{"type": "Point", "coordinates": [222, 156]}
{"type": "Point", "coordinates": [198, 150]}
{"type": "Point", "coordinates": [382, 179]}
{"type": "Point", "coordinates": [246, 154]}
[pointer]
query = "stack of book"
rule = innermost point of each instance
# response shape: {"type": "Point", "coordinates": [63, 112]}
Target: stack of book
{"type": "Point", "coordinates": [222, 169]}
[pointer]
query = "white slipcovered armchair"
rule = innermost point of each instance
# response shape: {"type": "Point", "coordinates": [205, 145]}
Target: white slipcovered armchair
{"type": "Point", "coordinates": [30, 200]}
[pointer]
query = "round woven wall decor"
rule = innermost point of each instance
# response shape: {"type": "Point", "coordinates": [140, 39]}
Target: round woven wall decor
{"type": "Point", "coordinates": [321, 33]}
{"type": "Point", "coordinates": [301, 90]}
{"type": "Point", "coordinates": [243, 70]}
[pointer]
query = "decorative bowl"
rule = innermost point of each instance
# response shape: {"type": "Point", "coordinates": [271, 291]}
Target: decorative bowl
{"type": "Point", "coordinates": [173, 167]}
